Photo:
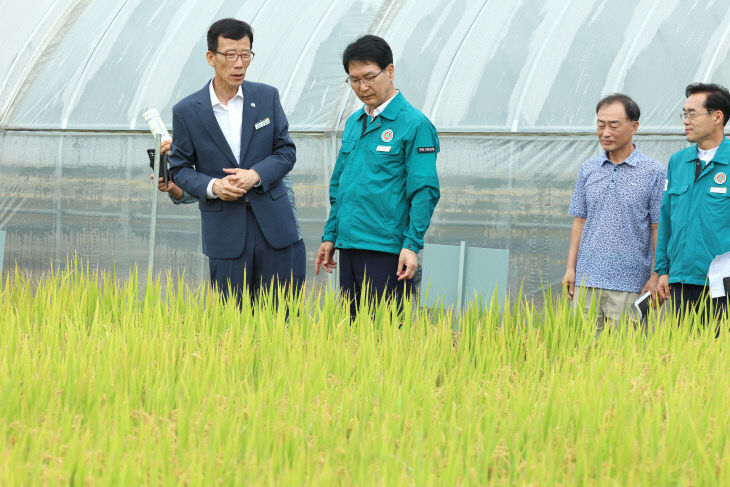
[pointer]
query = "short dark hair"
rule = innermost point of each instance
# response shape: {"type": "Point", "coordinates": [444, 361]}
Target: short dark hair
{"type": "Point", "coordinates": [718, 97]}
{"type": "Point", "coordinates": [230, 29]}
{"type": "Point", "coordinates": [630, 106]}
{"type": "Point", "coordinates": [368, 48]}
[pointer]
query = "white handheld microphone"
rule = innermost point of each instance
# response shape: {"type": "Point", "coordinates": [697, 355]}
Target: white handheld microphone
{"type": "Point", "coordinates": [155, 124]}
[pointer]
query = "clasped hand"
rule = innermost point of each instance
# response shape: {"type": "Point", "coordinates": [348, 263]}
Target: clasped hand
{"type": "Point", "coordinates": [236, 184]}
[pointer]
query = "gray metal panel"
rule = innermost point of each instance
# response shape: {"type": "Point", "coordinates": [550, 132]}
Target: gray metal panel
{"type": "Point", "coordinates": [440, 275]}
{"type": "Point", "coordinates": [485, 270]}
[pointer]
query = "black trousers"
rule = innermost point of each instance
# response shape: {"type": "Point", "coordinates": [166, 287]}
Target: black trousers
{"type": "Point", "coordinates": [691, 296]}
{"type": "Point", "coordinates": [378, 270]}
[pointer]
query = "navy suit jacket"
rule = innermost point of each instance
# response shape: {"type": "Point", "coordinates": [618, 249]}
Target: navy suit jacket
{"type": "Point", "coordinates": [200, 152]}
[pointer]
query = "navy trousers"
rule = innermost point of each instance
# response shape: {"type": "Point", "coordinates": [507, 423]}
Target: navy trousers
{"type": "Point", "coordinates": [299, 264]}
{"type": "Point", "coordinates": [379, 270]}
{"type": "Point", "coordinates": [256, 269]}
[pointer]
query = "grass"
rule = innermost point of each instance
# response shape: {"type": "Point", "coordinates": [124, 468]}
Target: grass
{"type": "Point", "coordinates": [103, 385]}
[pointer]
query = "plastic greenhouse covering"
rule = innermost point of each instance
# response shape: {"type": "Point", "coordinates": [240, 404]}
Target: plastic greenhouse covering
{"type": "Point", "coordinates": [510, 85]}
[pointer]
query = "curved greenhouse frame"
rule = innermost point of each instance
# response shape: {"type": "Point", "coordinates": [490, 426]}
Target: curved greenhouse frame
{"type": "Point", "coordinates": [511, 87]}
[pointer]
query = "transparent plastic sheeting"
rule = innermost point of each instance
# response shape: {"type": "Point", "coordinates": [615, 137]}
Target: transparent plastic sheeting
{"type": "Point", "coordinates": [76, 75]}
{"type": "Point", "coordinates": [90, 195]}
{"type": "Point", "coordinates": [471, 65]}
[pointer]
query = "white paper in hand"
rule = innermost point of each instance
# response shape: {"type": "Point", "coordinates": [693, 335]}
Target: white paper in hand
{"type": "Point", "coordinates": [719, 269]}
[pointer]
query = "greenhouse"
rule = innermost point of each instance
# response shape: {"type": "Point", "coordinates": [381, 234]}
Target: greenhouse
{"type": "Point", "coordinates": [510, 86]}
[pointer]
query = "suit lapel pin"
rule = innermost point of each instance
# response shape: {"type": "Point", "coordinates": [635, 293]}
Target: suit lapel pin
{"type": "Point", "coordinates": [253, 105]}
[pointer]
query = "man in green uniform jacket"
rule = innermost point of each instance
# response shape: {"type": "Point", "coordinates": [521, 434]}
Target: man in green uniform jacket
{"type": "Point", "coordinates": [384, 186]}
{"type": "Point", "coordinates": [693, 222]}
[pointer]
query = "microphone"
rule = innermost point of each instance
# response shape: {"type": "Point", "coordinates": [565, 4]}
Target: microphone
{"type": "Point", "coordinates": [155, 124]}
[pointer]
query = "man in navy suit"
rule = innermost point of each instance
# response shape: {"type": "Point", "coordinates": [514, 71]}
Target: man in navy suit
{"type": "Point", "coordinates": [230, 149]}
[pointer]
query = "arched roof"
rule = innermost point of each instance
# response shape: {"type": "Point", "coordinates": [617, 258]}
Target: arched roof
{"type": "Point", "coordinates": [471, 65]}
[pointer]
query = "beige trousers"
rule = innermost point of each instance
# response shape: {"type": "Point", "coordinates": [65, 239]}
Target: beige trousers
{"type": "Point", "coordinates": [611, 306]}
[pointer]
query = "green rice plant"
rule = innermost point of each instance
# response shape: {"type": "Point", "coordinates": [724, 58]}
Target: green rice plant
{"type": "Point", "coordinates": [105, 381]}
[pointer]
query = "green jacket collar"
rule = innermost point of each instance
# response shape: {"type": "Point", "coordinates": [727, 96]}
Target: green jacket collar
{"type": "Point", "coordinates": [391, 111]}
{"type": "Point", "coordinates": [722, 156]}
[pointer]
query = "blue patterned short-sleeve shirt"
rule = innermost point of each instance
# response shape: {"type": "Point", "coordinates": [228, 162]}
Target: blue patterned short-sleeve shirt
{"type": "Point", "coordinates": [619, 203]}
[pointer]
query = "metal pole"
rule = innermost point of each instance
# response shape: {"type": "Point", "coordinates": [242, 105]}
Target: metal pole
{"type": "Point", "coordinates": [460, 285]}
{"type": "Point", "coordinates": [2, 253]}
{"type": "Point", "coordinates": [153, 213]}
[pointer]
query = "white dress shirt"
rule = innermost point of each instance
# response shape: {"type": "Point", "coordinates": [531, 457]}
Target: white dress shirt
{"type": "Point", "coordinates": [381, 108]}
{"type": "Point", "coordinates": [229, 119]}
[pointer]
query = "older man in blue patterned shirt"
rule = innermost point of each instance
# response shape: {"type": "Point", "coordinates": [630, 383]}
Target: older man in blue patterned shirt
{"type": "Point", "coordinates": [616, 205]}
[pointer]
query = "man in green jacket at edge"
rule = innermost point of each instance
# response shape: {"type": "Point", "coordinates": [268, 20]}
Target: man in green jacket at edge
{"type": "Point", "coordinates": [384, 186]}
{"type": "Point", "coordinates": [694, 222]}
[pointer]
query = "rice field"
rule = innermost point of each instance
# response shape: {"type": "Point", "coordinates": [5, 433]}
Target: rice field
{"type": "Point", "coordinates": [103, 384]}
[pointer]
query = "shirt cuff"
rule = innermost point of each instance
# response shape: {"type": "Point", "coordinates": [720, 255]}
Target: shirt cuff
{"type": "Point", "coordinates": [177, 202]}
{"type": "Point", "coordinates": [209, 192]}
{"type": "Point", "coordinates": [411, 245]}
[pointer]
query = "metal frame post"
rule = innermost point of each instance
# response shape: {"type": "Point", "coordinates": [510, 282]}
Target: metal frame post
{"type": "Point", "coordinates": [460, 284]}
{"type": "Point", "coordinates": [2, 252]}
{"type": "Point", "coordinates": [153, 212]}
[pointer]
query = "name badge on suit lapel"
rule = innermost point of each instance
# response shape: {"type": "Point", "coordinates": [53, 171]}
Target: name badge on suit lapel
{"type": "Point", "coordinates": [262, 123]}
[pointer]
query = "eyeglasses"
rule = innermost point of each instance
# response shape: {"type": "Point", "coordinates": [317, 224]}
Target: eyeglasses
{"type": "Point", "coordinates": [692, 116]}
{"type": "Point", "coordinates": [231, 57]}
{"type": "Point", "coordinates": [368, 80]}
